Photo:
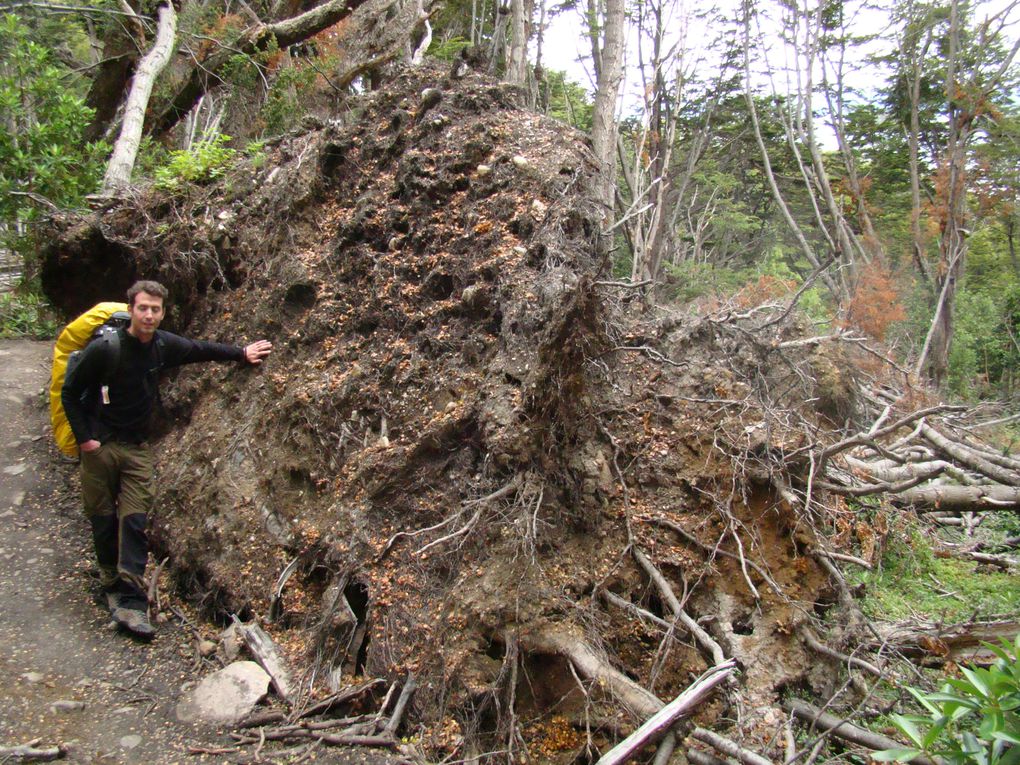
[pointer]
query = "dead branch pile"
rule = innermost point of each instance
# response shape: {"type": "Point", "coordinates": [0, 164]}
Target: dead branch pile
{"type": "Point", "coordinates": [475, 461]}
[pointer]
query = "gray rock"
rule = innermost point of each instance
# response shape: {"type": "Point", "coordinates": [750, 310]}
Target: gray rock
{"type": "Point", "coordinates": [230, 644]}
{"type": "Point", "coordinates": [226, 696]}
{"type": "Point", "coordinates": [16, 469]}
{"type": "Point", "coordinates": [130, 742]}
{"type": "Point", "coordinates": [33, 678]}
{"type": "Point", "coordinates": [66, 705]}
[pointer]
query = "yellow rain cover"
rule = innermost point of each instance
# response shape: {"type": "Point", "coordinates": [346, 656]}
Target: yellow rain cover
{"type": "Point", "coordinates": [74, 337]}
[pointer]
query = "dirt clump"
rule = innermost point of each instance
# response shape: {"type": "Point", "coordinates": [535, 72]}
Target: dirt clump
{"type": "Point", "coordinates": [467, 432]}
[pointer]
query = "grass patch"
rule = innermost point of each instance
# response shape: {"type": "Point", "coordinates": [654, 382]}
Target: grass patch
{"type": "Point", "coordinates": [912, 582]}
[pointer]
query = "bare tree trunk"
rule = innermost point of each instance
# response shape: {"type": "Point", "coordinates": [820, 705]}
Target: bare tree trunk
{"type": "Point", "coordinates": [118, 171]}
{"type": "Point", "coordinates": [517, 56]}
{"type": "Point", "coordinates": [835, 287]}
{"type": "Point", "coordinates": [497, 51]}
{"type": "Point", "coordinates": [604, 126]}
{"type": "Point", "coordinates": [119, 54]}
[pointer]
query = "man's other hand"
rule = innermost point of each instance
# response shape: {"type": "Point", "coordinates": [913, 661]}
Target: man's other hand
{"type": "Point", "coordinates": [89, 446]}
{"type": "Point", "coordinates": [255, 352]}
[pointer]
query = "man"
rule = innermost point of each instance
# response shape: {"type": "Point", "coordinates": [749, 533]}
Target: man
{"type": "Point", "coordinates": [109, 412]}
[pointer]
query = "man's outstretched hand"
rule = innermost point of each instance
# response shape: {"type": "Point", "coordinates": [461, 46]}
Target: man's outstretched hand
{"type": "Point", "coordinates": [255, 352]}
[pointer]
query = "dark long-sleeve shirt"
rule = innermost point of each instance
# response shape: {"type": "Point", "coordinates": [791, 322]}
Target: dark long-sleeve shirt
{"type": "Point", "coordinates": [122, 411]}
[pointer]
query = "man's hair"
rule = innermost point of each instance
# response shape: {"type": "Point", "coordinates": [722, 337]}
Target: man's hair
{"type": "Point", "coordinates": [152, 288]}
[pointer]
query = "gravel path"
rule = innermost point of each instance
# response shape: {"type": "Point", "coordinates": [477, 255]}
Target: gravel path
{"type": "Point", "coordinates": [67, 676]}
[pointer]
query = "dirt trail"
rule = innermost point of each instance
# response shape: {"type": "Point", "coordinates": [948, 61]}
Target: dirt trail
{"type": "Point", "coordinates": [67, 676]}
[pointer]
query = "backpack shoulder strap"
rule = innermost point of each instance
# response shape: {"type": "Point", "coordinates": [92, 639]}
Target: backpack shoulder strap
{"type": "Point", "coordinates": [109, 350]}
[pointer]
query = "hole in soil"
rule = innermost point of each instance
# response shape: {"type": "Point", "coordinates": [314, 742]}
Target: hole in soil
{"type": "Point", "coordinates": [357, 598]}
{"type": "Point", "coordinates": [332, 159]}
{"type": "Point", "coordinates": [744, 625]}
{"type": "Point", "coordinates": [655, 605]}
{"type": "Point", "coordinates": [300, 296]}
{"type": "Point", "coordinates": [438, 286]}
{"type": "Point", "coordinates": [822, 606]}
{"type": "Point", "coordinates": [496, 649]}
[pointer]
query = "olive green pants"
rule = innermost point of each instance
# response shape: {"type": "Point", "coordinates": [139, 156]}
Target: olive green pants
{"type": "Point", "coordinates": [117, 490]}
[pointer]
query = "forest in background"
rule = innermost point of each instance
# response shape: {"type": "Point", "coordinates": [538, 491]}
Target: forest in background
{"type": "Point", "coordinates": [867, 157]}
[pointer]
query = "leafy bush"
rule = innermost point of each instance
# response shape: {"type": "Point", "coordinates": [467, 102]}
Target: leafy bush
{"type": "Point", "coordinates": [26, 315]}
{"type": "Point", "coordinates": [205, 161]}
{"type": "Point", "coordinates": [42, 153]}
{"type": "Point", "coordinates": [973, 720]}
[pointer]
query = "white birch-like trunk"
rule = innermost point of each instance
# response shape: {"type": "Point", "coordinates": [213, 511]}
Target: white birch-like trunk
{"type": "Point", "coordinates": [517, 56]}
{"type": "Point", "coordinates": [122, 162]}
{"type": "Point", "coordinates": [604, 126]}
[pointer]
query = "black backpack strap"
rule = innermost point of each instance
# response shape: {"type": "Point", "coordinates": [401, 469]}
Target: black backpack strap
{"type": "Point", "coordinates": [109, 349]}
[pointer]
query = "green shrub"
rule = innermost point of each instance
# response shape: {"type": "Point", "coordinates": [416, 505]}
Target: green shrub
{"type": "Point", "coordinates": [973, 720]}
{"type": "Point", "coordinates": [205, 161]}
{"type": "Point", "coordinates": [26, 315]}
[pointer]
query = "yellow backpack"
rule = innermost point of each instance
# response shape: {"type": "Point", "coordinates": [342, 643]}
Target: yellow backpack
{"type": "Point", "coordinates": [74, 337]}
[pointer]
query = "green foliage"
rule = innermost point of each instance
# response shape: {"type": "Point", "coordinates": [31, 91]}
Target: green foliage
{"type": "Point", "coordinates": [973, 720]}
{"type": "Point", "coordinates": [205, 161]}
{"type": "Point", "coordinates": [26, 315]}
{"type": "Point", "coordinates": [690, 280]}
{"type": "Point", "coordinates": [42, 154]}
{"type": "Point", "coordinates": [282, 108]}
{"type": "Point", "coordinates": [565, 100]}
{"type": "Point", "coordinates": [911, 582]}
{"type": "Point", "coordinates": [978, 352]}
{"type": "Point", "coordinates": [448, 48]}
{"type": "Point", "coordinates": [256, 152]}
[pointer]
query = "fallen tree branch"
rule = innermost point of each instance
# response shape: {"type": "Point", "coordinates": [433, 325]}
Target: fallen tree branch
{"type": "Point", "coordinates": [835, 726]}
{"type": "Point", "coordinates": [729, 747]}
{"type": "Point", "coordinates": [944, 497]}
{"type": "Point", "coordinates": [955, 642]}
{"type": "Point", "coordinates": [815, 644]}
{"type": "Point", "coordinates": [700, 635]}
{"type": "Point", "coordinates": [969, 457]}
{"type": "Point", "coordinates": [1005, 562]}
{"type": "Point", "coordinates": [410, 685]}
{"type": "Point", "coordinates": [268, 656]}
{"type": "Point", "coordinates": [660, 723]}
{"type": "Point", "coordinates": [638, 700]}
{"type": "Point", "coordinates": [29, 753]}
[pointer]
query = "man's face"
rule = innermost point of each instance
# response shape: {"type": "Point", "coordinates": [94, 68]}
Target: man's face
{"type": "Point", "coordinates": [146, 314]}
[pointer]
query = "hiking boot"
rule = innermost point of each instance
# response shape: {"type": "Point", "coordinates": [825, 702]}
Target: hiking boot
{"type": "Point", "coordinates": [112, 599]}
{"type": "Point", "coordinates": [135, 621]}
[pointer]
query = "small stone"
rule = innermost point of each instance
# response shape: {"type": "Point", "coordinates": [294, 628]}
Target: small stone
{"type": "Point", "coordinates": [206, 647]}
{"type": "Point", "coordinates": [66, 705]}
{"type": "Point", "coordinates": [483, 170]}
{"type": "Point", "coordinates": [17, 499]}
{"type": "Point", "coordinates": [7, 514]}
{"type": "Point", "coordinates": [33, 678]}
{"type": "Point", "coordinates": [520, 162]}
{"type": "Point", "coordinates": [131, 741]}
{"type": "Point", "coordinates": [16, 469]}
{"type": "Point", "coordinates": [230, 644]}
{"type": "Point", "coordinates": [538, 209]}
{"type": "Point", "coordinates": [46, 550]}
